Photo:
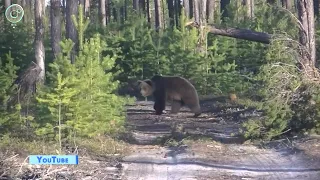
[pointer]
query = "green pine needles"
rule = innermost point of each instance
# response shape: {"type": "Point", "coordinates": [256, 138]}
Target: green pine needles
{"type": "Point", "coordinates": [10, 119]}
{"type": "Point", "coordinates": [80, 97]}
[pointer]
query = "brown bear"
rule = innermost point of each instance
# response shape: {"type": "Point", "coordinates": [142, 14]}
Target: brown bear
{"type": "Point", "coordinates": [176, 89]}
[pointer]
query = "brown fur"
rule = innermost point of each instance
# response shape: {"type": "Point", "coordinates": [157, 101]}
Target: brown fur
{"type": "Point", "coordinates": [176, 89]}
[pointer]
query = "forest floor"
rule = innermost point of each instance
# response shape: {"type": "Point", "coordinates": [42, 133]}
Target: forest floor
{"type": "Point", "coordinates": [179, 146]}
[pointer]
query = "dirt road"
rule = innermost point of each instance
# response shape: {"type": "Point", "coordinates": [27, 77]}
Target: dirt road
{"type": "Point", "coordinates": [210, 147]}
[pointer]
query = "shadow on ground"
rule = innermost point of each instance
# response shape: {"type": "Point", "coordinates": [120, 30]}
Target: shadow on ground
{"type": "Point", "coordinates": [220, 121]}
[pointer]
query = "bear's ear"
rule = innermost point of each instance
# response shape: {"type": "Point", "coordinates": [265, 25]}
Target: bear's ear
{"type": "Point", "coordinates": [149, 82]}
{"type": "Point", "coordinates": [139, 82]}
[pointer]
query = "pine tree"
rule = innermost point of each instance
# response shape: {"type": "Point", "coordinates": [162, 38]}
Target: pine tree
{"type": "Point", "coordinates": [10, 120]}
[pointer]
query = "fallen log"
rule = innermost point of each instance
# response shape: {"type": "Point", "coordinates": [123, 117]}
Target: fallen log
{"type": "Point", "coordinates": [238, 33]}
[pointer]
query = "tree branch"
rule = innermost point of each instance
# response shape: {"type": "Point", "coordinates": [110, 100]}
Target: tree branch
{"type": "Point", "coordinates": [238, 33]}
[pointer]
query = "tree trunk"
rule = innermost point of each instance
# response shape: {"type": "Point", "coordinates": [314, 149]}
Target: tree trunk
{"type": "Point", "coordinates": [121, 11]}
{"type": "Point", "coordinates": [186, 5]}
{"type": "Point", "coordinates": [196, 7]}
{"type": "Point", "coordinates": [177, 11]}
{"type": "Point", "coordinates": [7, 3]}
{"type": "Point", "coordinates": [203, 11]}
{"type": "Point", "coordinates": [55, 27]}
{"type": "Point", "coordinates": [39, 37]}
{"type": "Point", "coordinates": [171, 12]}
{"type": "Point", "coordinates": [250, 7]}
{"type": "Point", "coordinates": [316, 8]}
{"type": "Point", "coordinates": [307, 34]}
{"type": "Point", "coordinates": [64, 9]}
{"type": "Point", "coordinates": [202, 41]}
{"type": "Point", "coordinates": [158, 14]}
{"type": "Point", "coordinates": [223, 8]}
{"type": "Point", "coordinates": [287, 4]}
{"type": "Point", "coordinates": [164, 22]}
{"type": "Point", "coordinates": [199, 11]}
{"type": "Point", "coordinates": [102, 12]}
{"type": "Point", "coordinates": [211, 8]}
{"type": "Point", "coordinates": [108, 10]}
{"type": "Point", "coordinates": [136, 5]}
{"type": "Point", "coordinates": [26, 15]}
{"type": "Point", "coordinates": [87, 8]}
{"type": "Point", "coordinates": [148, 11]}
{"type": "Point", "coordinates": [30, 10]}
{"type": "Point", "coordinates": [142, 5]}
{"type": "Point", "coordinates": [71, 32]}
{"type": "Point", "coordinates": [115, 14]}
{"type": "Point", "coordinates": [126, 9]}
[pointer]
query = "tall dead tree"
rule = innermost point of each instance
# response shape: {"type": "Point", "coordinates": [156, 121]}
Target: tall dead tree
{"type": "Point", "coordinates": [39, 37]}
{"type": "Point", "coordinates": [55, 15]}
{"type": "Point", "coordinates": [200, 9]}
{"type": "Point", "coordinates": [307, 35]}
{"type": "Point", "coordinates": [71, 32]}
{"type": "Point", "coordinates": [102, 12]}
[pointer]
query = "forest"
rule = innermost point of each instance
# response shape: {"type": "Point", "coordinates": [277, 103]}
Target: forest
{"type": "Point", "coordinates": [69, 68]}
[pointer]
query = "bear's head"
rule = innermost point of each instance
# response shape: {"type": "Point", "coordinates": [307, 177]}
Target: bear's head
{"type": "Point", "coordinates": [145, 87]}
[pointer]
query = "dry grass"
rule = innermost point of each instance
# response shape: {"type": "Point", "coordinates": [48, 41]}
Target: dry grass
{"type": "Point", "coordinates": [101, 146]}
{"type": "Point", "coordinates": [14, 156]}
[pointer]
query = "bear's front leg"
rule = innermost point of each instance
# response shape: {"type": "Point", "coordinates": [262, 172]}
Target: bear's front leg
{"type": "Point", "coordinates": [158, 108]}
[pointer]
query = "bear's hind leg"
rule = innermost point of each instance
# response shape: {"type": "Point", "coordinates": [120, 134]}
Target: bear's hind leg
{"type": "Point", "coordinates": [175, 106]}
